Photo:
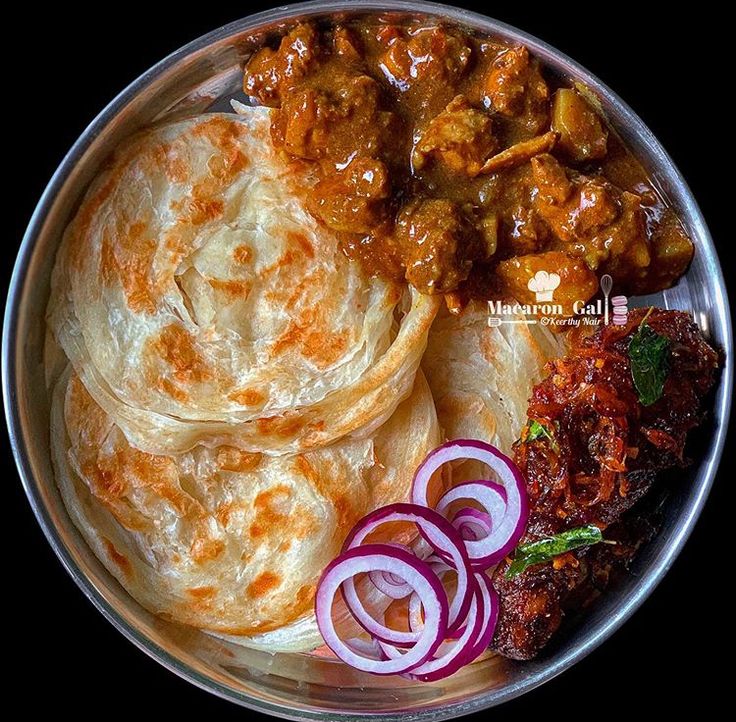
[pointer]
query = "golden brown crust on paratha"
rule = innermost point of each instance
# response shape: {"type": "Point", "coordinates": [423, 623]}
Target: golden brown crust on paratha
{"type": "Point", "coordinates": [219, 539]}
{"type": "Point", "coordinates": [201, 304]}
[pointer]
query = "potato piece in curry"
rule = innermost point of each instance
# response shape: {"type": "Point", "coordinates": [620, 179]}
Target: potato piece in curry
{"type": "Point", "coordinates": [458, 164]}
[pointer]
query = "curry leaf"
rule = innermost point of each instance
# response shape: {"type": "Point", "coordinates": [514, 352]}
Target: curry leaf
{"type": "Point", "coordinates": [538, 552]}
{"type": "Point", "coordinates": [538, 431]}
{"type": "Point", "coordinates": [649, 354]}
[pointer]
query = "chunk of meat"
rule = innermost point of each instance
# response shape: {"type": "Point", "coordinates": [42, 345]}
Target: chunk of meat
{"type": "Point", "coordinates": [582, 135]}
{"type": "Point", "coordinates": [515, 88]}
{"type": "Point", "coordinates": [431, 56]}
{"type": "Point", "coordinates": [574, 208]}
{"type": "Point", "coordinates": [438, 245]}
{"type": "Point", "coordinates": [621, 248]}
{"type": "Point", "coordinates": [591, 218]}
{"type": "Point", "coordinates": [460, 138]}
{"type": "Point", "coordinates": [520, 153]}
{"type": "Point", "coordinates": [347, 46]}
{"type": "Point", "coordinates": [530, 611]}
{"type": "Point", "coordinates": [533, 604]}
{"type": "Point", "coordinates": [599, 461]}
{"type": "Point", "coordinates": [576, 281]}
{"type": "Point", "coordinates": [551, 180]}
{"type": "Point", "coordinates": [271, 74]}
{"type": "Point", "coordinates": [353, 199]}
{"type": "Point", "coordinates": [524, 231]}
{"type": "Point", "coordinates": [318, 124]}
{"type": "Point", "coordinates": [379, 252]}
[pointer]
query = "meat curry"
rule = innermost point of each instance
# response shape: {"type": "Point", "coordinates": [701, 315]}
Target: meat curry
{"type": "Point", "coordinates": [458, 164]}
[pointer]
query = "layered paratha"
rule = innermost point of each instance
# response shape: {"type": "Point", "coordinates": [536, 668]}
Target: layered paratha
{"type": "Point", "coordinates": [225, 540]}
{"type": "Point", "coordinates": [482, 373]}
{"type": "Point", "coordinates": [201, 304]}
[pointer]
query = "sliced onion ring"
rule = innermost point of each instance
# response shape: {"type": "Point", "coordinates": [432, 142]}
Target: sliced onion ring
{"type": "Point", "coordinates": [475, 639]}
{"type": "Point", "coordinates": [443, 636]}
{"type": "Point", "coordinates": [490, 615]}
{"type": "Point", "coordinates": [506, 533]}
{"type": "Point", "coordinates": [390, 585]}
{"type": "Point", "coordinates": [385, 558]}
{"type": "Point", "coordinates": [416, 620]}
{"type": "Point", "coordinates": [446, 541]}
{"type": "Point", "coordinates": [473, 524]}
{"type": "Point", "coordinates": [482, 552]}
{"type": "Point", "coordinates": [457, 653]}
{"type": "Point", "coordinates": [367, 647]}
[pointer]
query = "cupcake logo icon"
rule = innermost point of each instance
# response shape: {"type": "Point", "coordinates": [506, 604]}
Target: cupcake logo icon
{"type": "Point", "coordinates": [543, 285]}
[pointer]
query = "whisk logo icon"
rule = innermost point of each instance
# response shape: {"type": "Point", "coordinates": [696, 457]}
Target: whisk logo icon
{"type": "Point", "coordinates": [543, 285]}
{"type": "Point", "coordinates": [620, 304]}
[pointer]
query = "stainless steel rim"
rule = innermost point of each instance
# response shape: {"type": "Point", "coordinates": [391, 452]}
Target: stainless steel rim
{"type": "Point", "coordinates": [650, 579]}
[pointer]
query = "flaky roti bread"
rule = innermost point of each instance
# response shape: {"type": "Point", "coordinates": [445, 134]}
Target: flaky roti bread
{"type": "Point", "coordinates": [201, 304]}
{"type": "Point", "coordinates": [482, 376]}
{"type": "Point", "coordinates": [226, 540]}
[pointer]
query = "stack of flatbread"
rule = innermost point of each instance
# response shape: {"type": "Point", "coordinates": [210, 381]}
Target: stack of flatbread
{"type": "Point", "coordinates": [236, 393]}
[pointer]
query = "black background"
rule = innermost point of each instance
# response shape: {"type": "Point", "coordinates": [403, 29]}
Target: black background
{"type": "Point", "coordinates": [673, 69]}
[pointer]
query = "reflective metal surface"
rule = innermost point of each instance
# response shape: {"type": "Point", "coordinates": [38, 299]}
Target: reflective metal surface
{"type": "Point", "coordinates": [201, 76]}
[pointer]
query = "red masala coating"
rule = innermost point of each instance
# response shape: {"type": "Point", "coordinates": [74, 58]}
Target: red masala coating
{"type": "Point", "coordinates": [603, 456]}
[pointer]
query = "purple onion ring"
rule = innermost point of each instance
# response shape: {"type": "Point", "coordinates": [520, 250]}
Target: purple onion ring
{"type": "Point", "coordinates": [382, 557]}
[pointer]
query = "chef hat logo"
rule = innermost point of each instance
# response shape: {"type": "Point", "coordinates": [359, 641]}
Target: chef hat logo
{"type": "Point", "coordinates": [543, 284]}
